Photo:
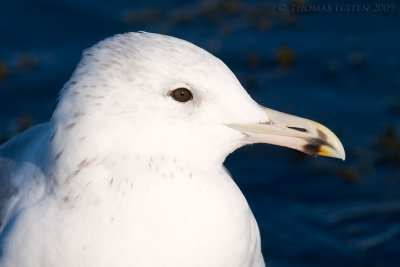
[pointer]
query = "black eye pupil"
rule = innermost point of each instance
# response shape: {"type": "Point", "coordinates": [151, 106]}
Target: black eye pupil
{"type": "Point", "coordinates": [182, 95]}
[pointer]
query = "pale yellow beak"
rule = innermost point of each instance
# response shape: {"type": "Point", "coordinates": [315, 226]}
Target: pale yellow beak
{"type": "Point", "coordinates": [290, 131]}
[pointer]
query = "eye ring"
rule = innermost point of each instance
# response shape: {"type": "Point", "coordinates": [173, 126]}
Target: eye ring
{"type": "Point", "coordinates": [181, 94]}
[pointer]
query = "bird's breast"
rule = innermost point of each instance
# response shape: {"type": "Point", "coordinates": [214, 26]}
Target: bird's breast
{"type": "Point", "coordinates": [182, 216]}
{"type": "Point", "coordinates": [164, 217]}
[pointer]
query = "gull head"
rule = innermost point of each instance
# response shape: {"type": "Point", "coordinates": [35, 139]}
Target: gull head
{"type": "Point", "coordinates": [153, 95]}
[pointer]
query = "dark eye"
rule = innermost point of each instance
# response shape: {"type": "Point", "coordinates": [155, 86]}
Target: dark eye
{"type": "Point", "coordinates": [182, 94]}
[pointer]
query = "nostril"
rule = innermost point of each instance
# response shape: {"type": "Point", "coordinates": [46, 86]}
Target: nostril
{"type": "Point", "coordinates": [298, 129]}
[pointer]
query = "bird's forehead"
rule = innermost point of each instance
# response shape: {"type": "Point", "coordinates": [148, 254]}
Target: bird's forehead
{"type": "Point", "coordinates": [160, 54]}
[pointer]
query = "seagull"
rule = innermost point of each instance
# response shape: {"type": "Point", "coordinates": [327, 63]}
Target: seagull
{"type": "Point", "coordinates": [129, 169]}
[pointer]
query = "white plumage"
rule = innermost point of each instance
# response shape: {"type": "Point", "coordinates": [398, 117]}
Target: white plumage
{"type": "Point", "coordinates": [124, 175]}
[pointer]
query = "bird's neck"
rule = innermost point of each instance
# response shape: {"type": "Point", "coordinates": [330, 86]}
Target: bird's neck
{"type": "Point", "coordinates": [79, 160]}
